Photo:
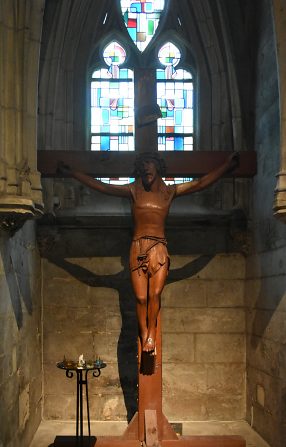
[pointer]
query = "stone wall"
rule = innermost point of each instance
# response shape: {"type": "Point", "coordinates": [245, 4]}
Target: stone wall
{"type": "Point", "coordinates": [89, 308]}
{"type": "Point", "coordinates": [20, 338]}
{"type": "Point", "coordinates": [204, 339]}
{"type": "Point", "coordinates": [266, 270]}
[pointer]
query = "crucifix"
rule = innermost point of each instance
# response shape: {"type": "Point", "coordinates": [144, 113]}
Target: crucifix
{"type": "Point", "coordinates": [150, 200]}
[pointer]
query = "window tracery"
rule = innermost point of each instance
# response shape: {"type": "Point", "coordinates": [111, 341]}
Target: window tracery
{"type": "Point", "coordinates": [114, 93]}
{"type": "Point", "coordinates": [175, 98]}
{"type": "Point", "coordinates": [112, 103]}
{"type": "Point", "coordinates": [142, 19]}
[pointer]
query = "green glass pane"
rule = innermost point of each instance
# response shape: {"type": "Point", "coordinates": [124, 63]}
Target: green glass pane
{"type": "Point", "coordinates": [150, 27]}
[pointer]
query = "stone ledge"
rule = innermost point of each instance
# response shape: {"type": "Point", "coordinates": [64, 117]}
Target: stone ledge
{"type": "Point", "coordinates": [49, 429]}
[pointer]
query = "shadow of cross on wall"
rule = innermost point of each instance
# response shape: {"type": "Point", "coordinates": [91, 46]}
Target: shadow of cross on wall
{"type": "Point", "coordinates": [18, 266]}
{"type": "Point", "coordinates": [128, 335]}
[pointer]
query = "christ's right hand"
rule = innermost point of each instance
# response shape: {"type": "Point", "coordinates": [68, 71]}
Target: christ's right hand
{"type": "Point", "coordinates": [63, 169]}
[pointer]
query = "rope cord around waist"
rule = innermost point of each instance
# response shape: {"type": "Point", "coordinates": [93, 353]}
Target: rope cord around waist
{"type": "Point", "coordinates": [141, 257]}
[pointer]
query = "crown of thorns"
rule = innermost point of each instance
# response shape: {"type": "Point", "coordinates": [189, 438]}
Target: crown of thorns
{"type": "Point", "coordinates": [149, 156]}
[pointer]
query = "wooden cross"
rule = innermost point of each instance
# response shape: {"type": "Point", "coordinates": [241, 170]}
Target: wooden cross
{"type": "Point", "coordinates": [121, 164]}
{"type": "Point", "coordinates": [149, 427]}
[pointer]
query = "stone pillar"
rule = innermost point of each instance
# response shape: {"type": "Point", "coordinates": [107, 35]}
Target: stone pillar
{"type": "Point", "coordinates": [279, 15]}
{"type": "Point", "coordinates": [20, 186]}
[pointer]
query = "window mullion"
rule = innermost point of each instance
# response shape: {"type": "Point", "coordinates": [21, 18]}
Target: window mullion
{"type": "Point", "coordinates": [145, 102]}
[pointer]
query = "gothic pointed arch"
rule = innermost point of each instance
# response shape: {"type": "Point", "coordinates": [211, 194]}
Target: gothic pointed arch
{"type": "Point", "coordinates": [63, 91]}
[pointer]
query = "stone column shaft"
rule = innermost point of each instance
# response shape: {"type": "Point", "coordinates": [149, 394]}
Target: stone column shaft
{"type": "Point", "coordinates": [20, 33]}
{"type": "Point", "coordinates": [279, 15]}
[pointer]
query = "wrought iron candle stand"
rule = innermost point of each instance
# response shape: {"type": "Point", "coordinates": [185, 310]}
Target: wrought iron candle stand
{"type": "Point", "coordinates": [81, 378]}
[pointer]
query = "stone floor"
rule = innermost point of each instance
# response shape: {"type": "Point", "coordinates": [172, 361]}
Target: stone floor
{"type": "Point", "coordinates": [48, 430]}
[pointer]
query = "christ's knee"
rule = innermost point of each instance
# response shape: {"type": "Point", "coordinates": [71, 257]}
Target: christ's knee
{"type": "Point", "coordinates": [142, 300]}
{"type": "Point", "coordinates": [155, 297]}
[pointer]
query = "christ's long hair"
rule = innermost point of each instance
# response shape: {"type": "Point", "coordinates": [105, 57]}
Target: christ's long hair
{"type": "Point", "coordinates": [149, 156]}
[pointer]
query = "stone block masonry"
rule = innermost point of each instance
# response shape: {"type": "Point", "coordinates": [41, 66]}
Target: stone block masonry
{"type": "Point", "coordinates": [20, 338]}
{"type": "Point", "coordinates": [89, 309]}
{"type": "Point", "coordinates": [204, 341]}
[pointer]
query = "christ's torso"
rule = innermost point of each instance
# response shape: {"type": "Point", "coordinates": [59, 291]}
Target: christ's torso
{"type": "Point", "coordinates": [150, 209]}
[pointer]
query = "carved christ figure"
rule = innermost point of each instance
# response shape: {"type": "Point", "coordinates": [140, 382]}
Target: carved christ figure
{"type": "Point", "coordinates": [150, 201]}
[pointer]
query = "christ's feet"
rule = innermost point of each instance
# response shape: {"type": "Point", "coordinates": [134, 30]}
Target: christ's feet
{"type": "Point", "coordinates": [149, 345]}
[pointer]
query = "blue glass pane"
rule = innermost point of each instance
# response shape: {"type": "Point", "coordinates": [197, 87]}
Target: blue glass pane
{"type": "Point", "coordinates": [160, 74]}
{"type": "Point", "coordinates": [178, 117]}
{"type": "Point", "coordinates": [179, 144]}
{"type": "Point", "coordinates": [135, 7]}
{"type": "Point", "coordinates": [148, 7]}
{"type": "Point", "coordinates": [104, 144]}
{"type": "Point", "coordinates": [105, 116]}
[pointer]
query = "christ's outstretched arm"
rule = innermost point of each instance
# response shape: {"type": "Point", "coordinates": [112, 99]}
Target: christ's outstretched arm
{"type": "Point", "coordinates": [197, 185]}
{"type": "Point", "coordinates": [105, 188]}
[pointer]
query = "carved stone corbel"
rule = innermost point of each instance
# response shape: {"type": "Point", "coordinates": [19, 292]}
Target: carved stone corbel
{"type": "Point", "coordinates": [20, 197]}
{"type": "Point", "coordinates": [15, 211]}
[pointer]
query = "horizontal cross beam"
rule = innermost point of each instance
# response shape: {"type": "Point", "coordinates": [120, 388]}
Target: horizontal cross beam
{"type": "Point", "coordinates": [121, 164]}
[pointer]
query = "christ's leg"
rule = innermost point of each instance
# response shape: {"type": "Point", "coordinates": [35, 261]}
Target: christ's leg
{"type": "Point", "coordinates": [156, 285]}
{"type": "Point", "coordinates": [140, 287]}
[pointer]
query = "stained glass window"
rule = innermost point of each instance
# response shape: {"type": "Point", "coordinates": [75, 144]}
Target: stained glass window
{"type": "Point", "coordinates": [112, 90]}
{"type": "Point", "coordinates": [127, 180]}
{"type": "Point", "coordinates": [175, 98]}
{"type": "Point", "coordinates": [112, 103]}
{"type": "Point", "coordinates": [141, 18]}
{"type": "Point", "coordinates": [177, 180]}
{"type": "Point", "coordinates": [117, 180]}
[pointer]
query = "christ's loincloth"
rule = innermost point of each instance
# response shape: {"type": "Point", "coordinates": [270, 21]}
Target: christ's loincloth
{"type": "Point", "coordinates": [148, 254]}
